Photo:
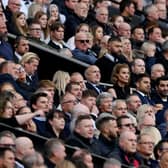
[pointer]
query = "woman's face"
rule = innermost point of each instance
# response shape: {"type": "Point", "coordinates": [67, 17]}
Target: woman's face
{"type": "Point", "coordinates": [118, 21]}
{"type": "Point", "coordinates": [54, 12]}
{"type": "Point", "coordinates": [99, 33]}
{"type": "Point", "coordinates": [43, 21]}
{"type": "Point", "coordinates": [21, 20]}
{"type": "Point", "coordinates": [8, 110]}
{"type": "Point", "coordinates": [25, 110]}
{"type": "Point", "coordinates": [126, 45]}
{"type": "Point", "coordinates": [84, 28]}
{"type": "Point", "coordinates": [58, 122]}
{"type": "Point", "coordinates": [124, 75]}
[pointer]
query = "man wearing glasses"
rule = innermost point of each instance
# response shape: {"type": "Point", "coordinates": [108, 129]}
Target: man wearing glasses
{"type": "Point", "coordinates": [145, 146]}
{"type": "Point", "coordinates": [81, 51]}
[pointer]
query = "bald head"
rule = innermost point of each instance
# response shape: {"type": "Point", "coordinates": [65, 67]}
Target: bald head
{"type": "Point", "coordinates": [24, 146]}
{"type": "Point", "coordinates": [124, 30]}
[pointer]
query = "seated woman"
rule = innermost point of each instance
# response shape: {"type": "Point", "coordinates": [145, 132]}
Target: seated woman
{"type": "Point", "coordinates": [120, 78]}
{"type": "Point", "coordinates": [55, 124]}
{"type": "Point", "coordinates": [8, 117]}
{"type": "Point", "coordinates": [30, 124]}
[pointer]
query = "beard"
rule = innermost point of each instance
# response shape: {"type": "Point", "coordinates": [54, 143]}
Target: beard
{"type": "Point", "coordinates": [3, 36]}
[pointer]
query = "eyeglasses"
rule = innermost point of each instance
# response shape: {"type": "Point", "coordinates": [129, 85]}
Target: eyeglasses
{"type": "Point", "coordinates": [128, 125]}
{"type": "Point", "coordinates": [36, 29]}
{"type": "Point", "coordinates": [147, 143]}
{"type": "Point", "coordinates": [83, 41]}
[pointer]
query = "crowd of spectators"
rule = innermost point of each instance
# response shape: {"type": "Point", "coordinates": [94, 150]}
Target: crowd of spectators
{"type": "Point", "coordinates": [125, 44]}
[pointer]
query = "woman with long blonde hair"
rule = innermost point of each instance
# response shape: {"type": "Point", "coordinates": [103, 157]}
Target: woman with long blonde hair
{"type": "Point", "coordinates": [60, 79]}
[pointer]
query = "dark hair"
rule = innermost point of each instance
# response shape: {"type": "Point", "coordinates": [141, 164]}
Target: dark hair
{"type": "Point", "coordinates": [36, 96]}
{"type": "Point", "coordinates": [119, 120]}
{"type": "Point", "coordinates": [82, 117]}
{"type": "Point", "coordinates": [18, 39]}
{"type": "Point", "coordinates": [158, 147]}
{"type": "Point", "coordinates": [163, 78]}
{"type": "Point", "coordinates": [124, 4]}
{"type": "Point", "coordinates": [89, 93]}
{"type": "Point", "coordinates": [101, 122]}
{"type": "Point", "coordinates": [51, 114]}
{"type": "Point", "coordinates": [68, 87]}
{"type": "Point", "coordinates": [112, 39]}
{"type": "Point", "coordinates": [55, 26]}
{"type": "Point", "coordinates": [141, 76]}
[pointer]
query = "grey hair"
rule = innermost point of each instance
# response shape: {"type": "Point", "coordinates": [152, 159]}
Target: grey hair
{"type": "Point", "coordinates": [101, 97]}
{"type": "Point", "coordinates": [110, 162]}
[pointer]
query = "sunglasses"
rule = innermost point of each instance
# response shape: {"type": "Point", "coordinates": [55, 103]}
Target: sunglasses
{"type": "Point", "coordinates": [128, 125]}
{"type": "Point", "coordinates": [83, 41]}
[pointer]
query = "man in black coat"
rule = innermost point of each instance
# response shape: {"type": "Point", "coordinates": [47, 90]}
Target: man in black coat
{"type": "Point", "coordinates": [110, 59]}
{"type": "Point", "coordinates": [83, 135]}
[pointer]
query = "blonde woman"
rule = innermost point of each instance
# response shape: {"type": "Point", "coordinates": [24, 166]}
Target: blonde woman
{"type": "Point", "coordinates": [60, 79]}
{"type": "Point", "coordinates": [145, 109]}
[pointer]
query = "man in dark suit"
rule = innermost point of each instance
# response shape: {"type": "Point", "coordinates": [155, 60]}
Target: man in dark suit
{"type": "Point", "coordinates": [110, 59]}
{"type": "Point", "coordinates": [57, 38]}
{"type": "Point", "coordinates": [93, 76]}
{"type": "Point", "coordinates": [21, 47]}
{"type": "Point", "coordinates": [143, 88]}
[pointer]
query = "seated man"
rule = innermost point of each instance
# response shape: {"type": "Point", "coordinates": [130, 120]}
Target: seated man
{"type": "Point", "coordinates": [81, 51]}
{"type": "Point", "coordinates": [83, 134]}
{"type": "Point", "coordinates": [145, 148]}
{"type": "Point", "coordinates": [108, 128]}
{"type": "Point", "coordinates": [126, 151]}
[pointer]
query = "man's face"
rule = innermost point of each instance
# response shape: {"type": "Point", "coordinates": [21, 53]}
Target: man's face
{"type": "Point", "coordinates": [156, 36]}
{"type": "Point", "coordinates": [124, 30]}
{"type": "Point", "coordinates": [129, 144]}
{"type": "Point", "coordinates": [89, 102]}
{"type": "Point", "coordinates": [81, 42]}
{"type": "Point", "coordinates": [29, 148]}
{"type": "Point", "coordinates": [31, 67]}
{"type": "Point", "coordinates": [14, 5]}
{"type": "Point", "coordinates": [102, 16]}
{"type": "Point", "coordinates": [60, 153]}
{"type": "Point", "coordinates": [85, 128]}
{"type": "Point", "coordinates": [82, 10]}
{"type": "Point", "coordinates": [144, 85]}
{"type": "Point", "coordinates": [113, 128]}
{"type": "Point", "coordinates": [68, 102]}
{"type": "Point", "coordinates": [71, 4]}
{"type": "Point", "coordinates": [145, 145]}
{"type": "Point", "coordinates": [9, 159]}
{"type": "Point", "coordinates": [127, 125]}
{"type": "Point", "coordinates": [22, 47]}
{"type": "Point", "coordinates": [134, 103]}
{"type": "Point", "coordinates": [138, 67]}
{"type": "Point", "coordinates": [41, 104]}
{"type": "Point", "coordinates": [12, 70]}
{"type": "Point", "coordinates": [79, 79]}
{"type": "Point", "coordinates": [120, 109]}
{"type": "Point", "coordinates": [138, 34]}
{"type": "Point", "coordinates": [93, 74]}
{"type": "Point", "coordinates": [115, 47]}
{"type": "Point", "coordinates": [76, 91]}
{"type": "Point", "coordinates": [58, 35]}
{"type": "Point", "coordinates": [106, 105]}
{"type": "Point", "coordinates": [158, 72]}
{"type": "Point", "coordinates": [35, 31]}
{"type": "Point", "coordinates": [3, 30]}
{"type": "Point", "coordinates": [131, 9]}
{"type": "Point", "coordinates": [162, 88]}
